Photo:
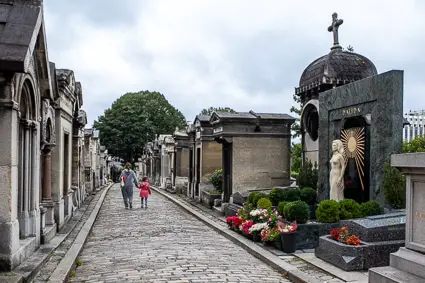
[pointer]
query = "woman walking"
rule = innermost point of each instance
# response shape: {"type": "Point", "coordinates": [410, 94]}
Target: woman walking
{"type": "Point", "coordinates": [128, 179]}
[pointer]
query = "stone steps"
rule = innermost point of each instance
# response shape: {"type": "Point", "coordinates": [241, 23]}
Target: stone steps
{"type": "Point", "coordinates": [410, 261]}
{"type": "Point", "coordinates": [389, 274]}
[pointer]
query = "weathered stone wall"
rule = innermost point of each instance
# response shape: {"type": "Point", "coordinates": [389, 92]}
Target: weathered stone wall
{"type": "Point", "coordinates": [211, 157]}
{"type": "Point", "coordinates": [260, 162]}
{"type": "Point", "coordinates": [184, 163]}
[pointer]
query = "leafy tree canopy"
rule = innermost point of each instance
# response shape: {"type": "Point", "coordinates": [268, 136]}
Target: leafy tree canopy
{"type": "Point", "coordinates": [296, 157]}
{"type": "Point", "coordinates": [210, 110]}
{"type": "Point", "coordinates": [415, 145]}
{"type": "Point", "coordinates": [135, 119]}
{"type": "Point", "coordinates": [296, 127]}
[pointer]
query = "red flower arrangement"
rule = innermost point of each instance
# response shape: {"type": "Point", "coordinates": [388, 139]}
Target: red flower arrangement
{"type": "Point", "coordinates": [245, 227]}
{"type": "Point", "coordinates": [353, 240]}
{"type": "Point", "coordinates": [342, 235]}
{"type": "Point", "coordinates": [234, 222]}
{"type": "Point", "coordinates": [335, 234]}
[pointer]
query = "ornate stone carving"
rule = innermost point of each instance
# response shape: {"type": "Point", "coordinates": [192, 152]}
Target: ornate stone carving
{"type": "Point", "coordinates": [82, 118]}
{"type": "Point", "coordinates": [48, 129]}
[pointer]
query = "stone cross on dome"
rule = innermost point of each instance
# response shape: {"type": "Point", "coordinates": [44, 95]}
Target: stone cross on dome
{"type": "Point", "coordinates": [334, 28]}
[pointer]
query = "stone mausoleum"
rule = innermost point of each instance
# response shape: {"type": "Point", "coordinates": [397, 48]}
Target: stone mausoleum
{"type": "Point", "coordinates": [337, 68]}
{"type": "Point", "coordinates": [41, 141]}
{"type": "Point", "coordinates": [255, 150]}
{"type": "Point", "coordinates": [344, 98]}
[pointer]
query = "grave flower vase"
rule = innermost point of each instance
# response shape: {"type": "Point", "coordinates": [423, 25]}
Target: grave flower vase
{"type": "Point", "coordinates": [256, 237]}
{"type": "Point", "coordinates": [278, 244]}
{"type": "Point", "coordinates": [288, 242]}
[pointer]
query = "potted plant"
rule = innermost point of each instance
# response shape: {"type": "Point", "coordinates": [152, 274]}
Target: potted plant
{"type": "Point", "coordinates": [269, 236]}
{"type": "Point", "coordinates": [256, 229]}
{"type": "Point", "coordinates": [288, 236]}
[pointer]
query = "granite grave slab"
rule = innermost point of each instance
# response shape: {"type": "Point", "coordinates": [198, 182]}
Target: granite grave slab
{"type": "Point", "coordinates": [380, 236]}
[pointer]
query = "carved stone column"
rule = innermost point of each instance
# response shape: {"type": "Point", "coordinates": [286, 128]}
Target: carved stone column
{"type": "Point", "coordinates": [47, 201]}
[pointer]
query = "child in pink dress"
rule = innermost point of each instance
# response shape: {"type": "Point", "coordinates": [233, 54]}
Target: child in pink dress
{"type": "Point", "coordinates": [145, 191]}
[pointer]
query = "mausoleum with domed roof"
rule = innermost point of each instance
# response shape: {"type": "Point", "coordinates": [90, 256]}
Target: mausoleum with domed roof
{"type": "Point", "coordinates": [338, 67]}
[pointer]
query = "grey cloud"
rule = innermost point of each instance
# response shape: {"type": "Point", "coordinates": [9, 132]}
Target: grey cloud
{"type": "Point", "coordinates": [98, 12]}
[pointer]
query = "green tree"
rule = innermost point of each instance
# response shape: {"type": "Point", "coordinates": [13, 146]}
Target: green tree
{"type": "Point", "coordinates": [308, 175]}
{"type": "Point", "coordinates": [296, 157]}
{"type": "Point", "coordinates": [415, 145]}
{"type": "Point", "coordinates": [394, 185]}
{"type": "Point", "coordinates": [296, 127]}
{"type": "Point", "coordinates": [135, 119]}
{"type": "Point", "coordinates": [210, 110]}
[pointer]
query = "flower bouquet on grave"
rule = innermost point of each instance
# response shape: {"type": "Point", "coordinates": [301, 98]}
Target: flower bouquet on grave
{"type": "Point", "coordinates": [273, 218]}
{"type": "Point", "coordinates": [256, 229]}
{"type": "Point", "coordinates": [229, 221]}
{"type": "Point", "coordinates": [234, 222]}
{"type": "Point", "coordinates": [258, 215]}
{"type": "Point", "coordinates": [269, 236]}
{"type": "Point", "coordinates": [245, 228]}
{"type": "Point", "coordinates": [342, 235]}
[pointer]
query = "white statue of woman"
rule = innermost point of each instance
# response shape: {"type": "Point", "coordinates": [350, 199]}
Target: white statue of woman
{"type": "Point", "coordinates": [336, 179]}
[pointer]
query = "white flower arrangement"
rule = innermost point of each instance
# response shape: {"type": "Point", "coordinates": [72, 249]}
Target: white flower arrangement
{"type": "Point", "coordinates": [258, 227]}
{"type": "Point", "coordinates": [255, 212]}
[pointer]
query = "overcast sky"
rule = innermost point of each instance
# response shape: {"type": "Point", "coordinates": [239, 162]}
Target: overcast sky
{"type": "Point", "coordinates": [244, 54]}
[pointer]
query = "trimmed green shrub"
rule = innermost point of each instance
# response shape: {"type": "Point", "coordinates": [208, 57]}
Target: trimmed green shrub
{"type": "Point", "coordinates": [259, 196]}
{"type": "Point", "coordinates": [308, 195]}
{"type": "Point", "coordinates": [264, 203]}
{"type": "Point", "coordinates": [216, 179]}
{"type": "Point", "coordinates": [275, 196]}
{"type": "Point", "coordinates": [394, 186]}
{"type": "Point", "coordinates": [251, 197]}
{"type": "Point", "coordinates": [281, 207]}
{"type": "Point", "coordinates": [297, 210]}
{"type": "Point", "coordinates": [328, 211]}
{"type": "Point", "coordinates": [370, 208]}
{"type": "Point", "coordinates": [290, 195]}
{"type": "Point", "coordinates": [349, 209]}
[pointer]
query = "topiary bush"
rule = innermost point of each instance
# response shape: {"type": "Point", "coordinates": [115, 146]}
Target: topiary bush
{"type": "Point", "coordinates": [297, 210]}
{"type": "Point", "coordinates": [264, 203]}
{"type": "Point", "coordinates": [328, 211]}
{"type": "Point", "coordinates": [308, 195]}
{"type": "Point", "coordinates": [349, 209]}
{"type": "Point", "coordinates": [370, 208]}
{"type": "Point", "coordinates": [259, 196]}
{"type": "Point", "coordinates": [275, 196]}
{"type": "Point", "coordinates": [394, 186]}
{"type": "Point", "coordinates": [290, 195]}
{"type": "Point", "coordinates": [281, 207]}
{"type": "Point", "coordinates": [252, 197]}
{"type": "Point", "coordinates": [217, 179]}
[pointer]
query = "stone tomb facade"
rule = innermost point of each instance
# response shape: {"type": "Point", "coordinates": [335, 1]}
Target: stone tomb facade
{"type": "Point", "coordinates": [256, 150]}
{"type": "Point", "coordinates": [408, 263]}
{"type": "Point", "coordinates": [35, 99]}
{"type": "Point", "coordinates": [367, 116]}
{"type": "Point", "coordinates": [181, 160]}
{"type": "Point", "coordinates": [205, 154]}
{"type": "Point", "coordinates": [166, 143]}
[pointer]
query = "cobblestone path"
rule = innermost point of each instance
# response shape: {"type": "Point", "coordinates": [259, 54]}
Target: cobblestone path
{"type": "Point", "coordinates": [73, 226]}
{"type": "Point", "coordinates": [162, 244]}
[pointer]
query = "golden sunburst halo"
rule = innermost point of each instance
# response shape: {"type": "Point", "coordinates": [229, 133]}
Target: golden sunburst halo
{"type": "Point", "coordinates": [354, 144]}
